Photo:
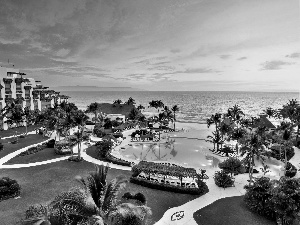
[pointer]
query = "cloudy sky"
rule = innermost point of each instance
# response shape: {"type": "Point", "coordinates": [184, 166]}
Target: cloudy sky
{"type": "Point", "coordinates": [240, 45]}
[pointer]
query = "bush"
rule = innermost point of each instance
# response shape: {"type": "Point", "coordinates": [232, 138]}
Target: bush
{"type": "Point", "coordinates": [51, 143]}
{"type": "Point", "coordinates": [168, 187]}
{"type": "Point", "coordinates": [103, 148]}
{"type": "Point", "coordinates": [99, 131]}
{"type": "Point", "coordinates": [35, 211]}
{"type": "Point", "coordinates": [286, 200]}
{"type": "Point", "coordinates": [33, 150]}
{"type": "Point", "coordinates": [291, 170]}
{"type": "Point", "coordinates": [232, 165]}
{"type": "Point", "coordinates": [62, 148]}
{"type": "Point", "coordinates": [223, 179]}
{"type": "Point", "coordinates": [9, 188]}
{"type": "Point", "coordinates": [275, 153]}
{"type": "Point", "coordinates": [75, 159]}
{"type": "Point", "coordinates": [258, 197]}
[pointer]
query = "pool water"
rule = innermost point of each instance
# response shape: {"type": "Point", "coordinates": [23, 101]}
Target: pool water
{"type": "Point", "coordinates": [182, 151]}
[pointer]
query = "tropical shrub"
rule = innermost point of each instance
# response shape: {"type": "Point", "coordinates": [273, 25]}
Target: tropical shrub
{"type": "Point", "coordinates": [232, 165]}
{"type": "Point", "coordinates": [51, 143]}
{"type": "Point", "coordinates": [62, 148]}
{"type": "Point", "coordinates": [291, 170]}
{"type": "Point", "coordinates": [103, 148]}
{"type": "Point", "coordinates": [99, 131]}
{"type": "Point", "coordinates": [286, 200]}
{"type": "Point", "coordinates": [75, 159]}
{"type": "Point", "coordinates": [33, 150]}
{"type": "Point", "coordinates": [8, 188]}
{"type": "Point", "coordinates": [258, 197]}
{"type": "Point", "coordinates": [223, 179]}
{"type": "Point", "coordinates": [115, 160]}
{"type": "Point", "coordinates": [275, 152]}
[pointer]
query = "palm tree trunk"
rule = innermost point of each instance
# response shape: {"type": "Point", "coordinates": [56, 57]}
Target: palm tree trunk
{"type": "Point", "coordinates": [251, 168]}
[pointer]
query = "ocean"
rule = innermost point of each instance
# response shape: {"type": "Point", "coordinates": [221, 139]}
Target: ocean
{"type": "Point", "coordinates": [194, 107]}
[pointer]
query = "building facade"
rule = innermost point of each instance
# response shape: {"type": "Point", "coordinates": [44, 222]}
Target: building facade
{"type": "Point", "coordinates": [27, 92]}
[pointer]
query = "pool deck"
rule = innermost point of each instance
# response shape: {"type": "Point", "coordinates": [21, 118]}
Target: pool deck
{"type": "Point", "coordinates": [183, 214]}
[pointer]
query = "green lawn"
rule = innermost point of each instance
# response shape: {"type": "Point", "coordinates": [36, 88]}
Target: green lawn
{"type": "Point", "coordinates": [229, 211]}
{"type": "Point", "coordinates": [41, 184]}
{"type": "Point", "coordinates": [45, 154]}
{"type": "Point", "coordinates": [23, 142]}
{"type": "Point", "coordinates": [20, 130]}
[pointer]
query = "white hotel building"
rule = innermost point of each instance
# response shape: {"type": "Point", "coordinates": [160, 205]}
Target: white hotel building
{"type": "Point", "coordinates": [29, 92]}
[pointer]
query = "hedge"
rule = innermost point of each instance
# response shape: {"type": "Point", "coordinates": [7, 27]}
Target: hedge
{"type": "Point", "coordinates": [9, 188]}
{"type": "Point", "coordinates": [33, 150]}
{"type": "Point", "coordinates": [171, 188]}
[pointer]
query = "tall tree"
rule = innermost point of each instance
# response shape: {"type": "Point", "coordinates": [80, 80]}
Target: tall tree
{"type": "Point", "coordinates": [174, 109]}
{"type": "Point", "coordinates": [93, 108]}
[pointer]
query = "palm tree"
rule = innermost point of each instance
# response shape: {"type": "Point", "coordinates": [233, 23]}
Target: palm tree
{"type": "Point", "coordinates": [97, 201]}
{"type": "Point", "coordinates": [80, 119]}
{"type": "Point", "coordinates": [175, 109]}
{"type": "Point", "coordinates": [93, 108]}
{"type": "Point", "coordinates": [235, 113]}
{"type": "Point", "coordinates": [140, 107]}
{"type": "Point", "coordinates": [252, 147]}
{"type": "Point", "coordinates": [270, 112]}
{"type": "Point", "coordinates": [215, 138]}
{"type": "Point", "coordinates": [118, 101]}
{"type": "Point", "coordinates": [130, 101]}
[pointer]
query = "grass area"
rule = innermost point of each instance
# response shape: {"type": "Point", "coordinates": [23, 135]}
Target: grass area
{"type": "Point", "coordinates": [229, 211]}
{"type": "Point", "coordinates": [45, 154]}
{"type": "Point", "coordinates": [20, 130]}
{"type": "Point", "coordinates": [41, 184]}
{"type": "Point", "coordinates": [23, 142]}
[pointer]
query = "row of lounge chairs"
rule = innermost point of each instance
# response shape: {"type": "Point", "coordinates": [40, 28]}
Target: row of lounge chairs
{"type": "Point", "coordinates": [223, 154]}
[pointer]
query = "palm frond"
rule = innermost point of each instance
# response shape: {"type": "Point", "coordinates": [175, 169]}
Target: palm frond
{"type": "Point", "coordinates": [111, 192]}
{"type": "Point", "coordinates": [97, 183]}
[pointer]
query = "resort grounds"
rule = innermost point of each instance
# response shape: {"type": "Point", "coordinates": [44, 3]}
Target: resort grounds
{"type": "Point", "coordinates": [41, 183]}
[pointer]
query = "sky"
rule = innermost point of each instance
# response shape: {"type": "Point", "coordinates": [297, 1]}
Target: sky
{"type": "Point", "coordinates": [157, 45]}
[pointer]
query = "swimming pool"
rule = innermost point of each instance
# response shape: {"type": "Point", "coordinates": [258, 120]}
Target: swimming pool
{"type": "Point", "coordinates": [182, 151]}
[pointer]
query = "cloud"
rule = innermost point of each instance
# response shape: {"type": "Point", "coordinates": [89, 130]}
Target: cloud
{"type": "Point", "coordinates": [224, 56]}
{"type": "Point", "coordinates": [199, 70]}
{"type": "Point", "coordinates": [175, 50]}
{"type": "Point", "coordinates": [242, 58]}
{"type": "Point", "coordinates": [294, 55]}
{"type": "Point", "coordinates": [274, 65]}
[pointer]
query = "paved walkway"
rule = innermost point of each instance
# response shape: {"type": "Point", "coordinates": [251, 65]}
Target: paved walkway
{"type": "Point", "coordinates": [183, 214]}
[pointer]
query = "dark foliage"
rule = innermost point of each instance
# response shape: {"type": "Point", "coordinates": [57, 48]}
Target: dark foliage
{"type": "Point", "coordinates": [51, 143]}
{"type": "Point", "coordinates": [75, 159]}
{"type": "Point", "coordinates": [258, 197]}
{"type": "Point", "coordinates": [291, 170]}
{"type": "Point", "coordinates": [167, 187]}
{"type": "Point", "coordinates": [8, 188]}
{"type": "Point", "coordinates": [276, 153]}
{"type": "Point", "coordinates": [33, 150]}
{"type": "Point", "coordinates": [223, 179]}
{"type": "Point", "coordinates": [286, 200]}
{"type": "Point", "coordinates": [232, 165]}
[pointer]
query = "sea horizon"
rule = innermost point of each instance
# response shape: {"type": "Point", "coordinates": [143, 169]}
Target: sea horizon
{"type": "Point", "coordinates": [195, 106]}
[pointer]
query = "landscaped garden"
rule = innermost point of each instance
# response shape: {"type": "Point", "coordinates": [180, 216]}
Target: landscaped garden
{"type": "Point", "coordinates": [54, 183]}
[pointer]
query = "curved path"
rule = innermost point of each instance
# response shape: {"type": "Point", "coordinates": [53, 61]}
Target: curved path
{"type": "Point", "coordinates": [183, 214]}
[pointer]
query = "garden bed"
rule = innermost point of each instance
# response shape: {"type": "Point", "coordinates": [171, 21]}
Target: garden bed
{"type": "Point", "coordinates": [45, 154]}
{"type": "Point", "coordinates": [22, 142]}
